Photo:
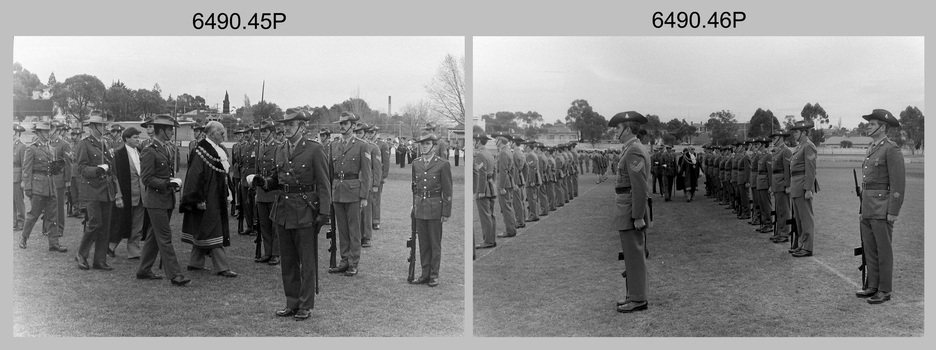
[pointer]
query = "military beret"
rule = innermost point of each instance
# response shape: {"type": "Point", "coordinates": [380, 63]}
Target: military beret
{"type": "Point", "coordinates": [884, 116]}
{"type": "Point", "coordinates": [629, 116]}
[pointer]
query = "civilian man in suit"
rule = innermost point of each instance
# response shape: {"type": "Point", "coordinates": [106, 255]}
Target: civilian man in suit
{"type": "Point", "coordinates": [38, 169]}
{"type": "Point", "coordinates": [351, 185]}
{"type": "Point", "coordinates": [803, 186]}
{"type": "Point", "coordinates": [883, 181]}
{"type": "Point", "coordinates": [301, 175]}
{"type": "Point", "coordinates": [631, 215]}
{"type": "Point", "coordinates": [127, 222]}
{"type": "Point", "coordinates": [432, 205]}
{"type": "Point", "coordinates": [156, 164]}
{"type": "Point", "coordinates": [98, 189]}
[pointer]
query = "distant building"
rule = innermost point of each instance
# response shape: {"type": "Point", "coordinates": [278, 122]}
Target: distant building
{"type": "Point", "coordinates": [856, 141]}
{"type": "Point", "coordinates": [555, 134]}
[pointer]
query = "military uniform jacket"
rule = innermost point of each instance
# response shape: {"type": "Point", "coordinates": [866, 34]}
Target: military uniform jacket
{"type": "Point", "coordinates": [302, 166]}
{"type": "Point", "coordinates": [73, 147]}
{"type": "Point", "coordinates": [780, 169]}
{"type": "Point", "coordinates": [520, 168]}
{"type": "Point", "coordinates": [432, 188]}
{"type": "Point", "coordinates": [752, 160]}
{"type": "Point", "coordinates": [803, 169]}
{"type": "Point", "coordinates": [550, 168]}
{"type": "Point", "coordinates": [484, 174]}
{"type": "Point", "coordinates": [442, 149]}
{"type": "Point", "coordinates": [504, 168]}
{"type": "Point", "coordinates": [657, 167]}
{"type": "Point", "coordinates": [883, 180]}
{"type": "Point", "coordinates": [19, 150]}
{"type": "Point", "coordinates": [63, 151]}
{"type": "Point", "coordinates": [95, 185]}
{"type": "Point", "coordinates": [533, 175]}
{"type": "Point", "coordinates": [265, 161]}
{"type": "Point", "coordinates": [543, 165]}
{"type": "Point", "coordinates": [384, 160]}
{"type": "Point", "coordinates": [36, 176]}
{"type": "Point", "coordinates": [763, 171]}
{"type": "Point", "coordinates": [235, 160]}
{"type": "Point", "coordinates": [376, 164]}
{"type": "Point", "coordinates": [633, 177]}
{"type": "Point", "coordinates": [351, 164]}
{"type": "Point", "coordinates": [248, 160]}
{"type": "Point", "coordinates": [668, 164]}
{"type": "Point", "coordinates": [155, 170]}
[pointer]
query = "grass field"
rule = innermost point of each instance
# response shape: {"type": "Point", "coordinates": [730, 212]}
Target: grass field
{"type": "Point", "coordinates": [711, 275]}
{"type": "Point", "coordinates": [52, 297]}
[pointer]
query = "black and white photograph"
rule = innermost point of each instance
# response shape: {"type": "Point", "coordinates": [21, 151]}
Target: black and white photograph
{"type": "Point", "coordinates": [698, 186]}
{"type": "Point", "coordinates": [254, 186]}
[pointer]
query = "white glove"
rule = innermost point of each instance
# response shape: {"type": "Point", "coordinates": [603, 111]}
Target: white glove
{"type": "Point", "coordinates": [176, 181]}
{"type": "Point", "coordinates": [104, 166]}
{"type": "Point", "coordinates": [250, 180]}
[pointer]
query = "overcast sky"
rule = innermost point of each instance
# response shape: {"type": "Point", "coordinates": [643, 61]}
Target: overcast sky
{"type": "Point", "coordinates": [691, 77]}
{"type": "Point", "coordinates": [298, 70]}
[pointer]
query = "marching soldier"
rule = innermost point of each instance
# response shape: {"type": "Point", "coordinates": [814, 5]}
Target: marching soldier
{"type": "Point", "coordinates": [779, 183]}
{"type": "Point", "coordinates": [98, 190]}
{"type": "Point", "coordinates": [485, 189]}
{"type": "Point", "coordinates": [432, 206]}
{"type": "Point", "coordinates": [577, 168]}
{"type": "Point", "coordinates": [803, 186]}
{"type": "Point", "coordinates": [504, 169]}
{"type": "Point", "coordinates": [265, 199]}
{"type": "Point", "coordinates": [302, 207]}
{"type": "Point", "coordinates": [883, 181]}
{"type": "Point", "coordinates": [631, 215]}
{"type": "Point", "coordinates": [657, 170]}
{"type": "Point", "coordinates": [519, 201]}
{"type": "Point", "coordinates": [351, 185]}
{"type": "Point", "coordinates": [39, 168]}
{"type": "Point", "coordinates": [19, 206]}
{"type": "Point", "coordinates": [384, 171]}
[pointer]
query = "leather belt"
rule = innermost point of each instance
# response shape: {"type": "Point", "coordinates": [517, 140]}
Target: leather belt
{"type": "Point", "coordinates": [287, 188]}
{"type": "Point", "coordinates": [429, 194]}
{"type": "Point", "coordinates": [801, 172]}
{"type": "Point", "coordinates": [344, 176]}
{"type": "Point", "coordinates": [778, 171]}
{"type": "Point", "coordinates": [620, 190]}
{"type": "Point", "coordinates": [876, 186]}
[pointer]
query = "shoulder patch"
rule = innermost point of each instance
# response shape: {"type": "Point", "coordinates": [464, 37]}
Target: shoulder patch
{"type": "Point", "coordinates": [637, 165]}
{"type": "Point", "coordinates": [811, 156]}
{"type": "Point", "coordinates": [896, 194]}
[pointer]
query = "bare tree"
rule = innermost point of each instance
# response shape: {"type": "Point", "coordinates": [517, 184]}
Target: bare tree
{"type": "Point", "coordinates": [416, 115]}
{"type": "Point", "coordinates": [447, 89]}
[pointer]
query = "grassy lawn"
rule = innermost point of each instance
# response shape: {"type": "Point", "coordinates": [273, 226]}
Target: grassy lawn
{"type": "Point", "coordinates": [711, 275]}
{"type": "Point", "coordinates": [52, 297]}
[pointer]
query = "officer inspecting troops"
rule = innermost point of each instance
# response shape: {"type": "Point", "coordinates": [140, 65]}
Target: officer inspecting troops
{"type": "Point", "coordinates": [19, 206]}
{"type": "Point", "coordinates": [883, 180]}
{"type": "Point", "coordinates": [351, 185]}
{"type": "Point", "coordinates": [485, 189]}
{"type": "Point", "coordinates": [779, 183]}
{"type": "Point", "coordinates": [39, 168]}
{"type": "Point", "coordinates": [803, 186]}
{"type": "Point", "coordinates": [265, 199]}
{"type": "Point", "coordinates": [432, 206]}
{"type": "Point", "coordinates": [99, 191]}
{"type": "Point", "coordinates": [631, 215]}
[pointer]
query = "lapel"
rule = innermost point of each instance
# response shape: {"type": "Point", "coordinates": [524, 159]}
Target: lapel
{"type": "Point", "coordinates": [876, 146]}
{"type": "Point", "coordinates": [300, 147]}
{"type": "Point", "coordinates": [346, 146]}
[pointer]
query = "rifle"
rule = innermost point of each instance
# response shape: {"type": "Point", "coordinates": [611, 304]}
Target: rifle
{"type": "Point", "coordinates": [411, 244]}
{"type": "Point", "coordinates": [331, 234]}
{"type": "Point", "coordinates": [860, 250]}
{"type": "Point", "coordinates": [794, 232]}
{"type": "Point", "coordinates": [258, 250]}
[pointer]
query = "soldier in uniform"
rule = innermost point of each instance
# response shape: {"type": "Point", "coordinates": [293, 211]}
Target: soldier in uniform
{"type": "Point", "coordinates": [883, 181]}
{"type": "Point", "coordinates": [99, 191]}
{"type": "Point", "coordinates": [384, 172]}
{"type": "Point", "coordinates": [803, 186]}
{"type": "Point", "coordinates": [484, 188]}
{"type": "Point", "coordinates": [519, 177]}
{"type": "Point", "coordinates": [248, 164]}
{"type": "Point", "coordinates": [114, 140]}
{"type": "Point", "coordinates": [762, 186]}
{"type": "Point", "coordinates": [199, 130]}
{"type": "Point", "coordinates": [367, 213]}
{"type": "Point", "coordinates": [301, 174]}
{"type": "Point", "coordinates": [550, 177]}
{"type": "Point", "coordinates": [432, 205]}
{"type": "Point", "coordinates": [504, 169]}
{"type": "Point", "coordinates": [63, 153]}
{"type": "Point", "coordinates": [234, 174]}
{"type": "Point", "coordinates": [561, 197]}
{"type": "Point", "coordinates": [631, 215]}
{"type": "Point", "coordinates": [534, 180]}
{"type": "Point", "coordinates": [443, 146]}
{"type": "Point", "coordinates": [779, 183]}
{"type": "Point", "coordinates": [576, 168]}
{"type": "Point", "coordinates": [158, 174]}
{"type": "Point", "coordinates": [19, 206]}
{"type": "Point", "coordinates": [543, 167]}
{"type": "Point", "coordinates": [657, 170]}
{"type": "Point", "coordinates": [668, 168]}
{"type": "Point", "coordinates": [39, 168]}
{"type": "Point", "coordinates": [351, 161]}
{"type": "Point", "coordinates": [76, 206]}
{"type": "Point", "coordinates": [265, 199]}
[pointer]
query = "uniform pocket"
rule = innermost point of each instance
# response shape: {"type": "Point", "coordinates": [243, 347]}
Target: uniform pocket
{"type": "Point", "coordinates": [874, 204]}
{"type": "Point", "coordinates": [621, 218]}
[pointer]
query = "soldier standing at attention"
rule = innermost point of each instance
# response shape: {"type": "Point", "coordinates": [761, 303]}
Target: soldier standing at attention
{"type": "Point", "coordinates": [265, 199]}
{"type": "Point", "coordinates": [504, 168]}
{"type": "Point", "coordinates": [631, 215]}
{"type": "Point", "coordinates": [248, 163]}
{"type": "Point", "coordinates": [432, 205]}
{"type": "Point", "coordinates": [199, 131]}
{"type": "Point", "coordinates": [384, 172]}
{"type": "Point", "coordinates": [519, 177]}
{"type": "Point", "coordinates": [543, 165]}
{"type": "Point", "coordinates": [367, 213]}
{"type": "Point", "coordinates": [38, 171]}
{"type": "Point", "coordinates": [234, 174]}
{"type": "Point", "coordinates": [762, 186]}
{"type": "Point", "coordinates": [484, 189]}
{"type": "Point", "coordinates": [551, 178]}
{"type": "Point", "coordinates": [19, 206]}
{"type": "Point", "coordinates": [351, 161]}
{"type": "Point", "coordinates": [779, 183]}
{"type": "Point", "coordinates": [534, 180]}
{"type": "Point", "coordinates": [300, 210]}
{"type": "Point", "coordinates": [883, 181]}
{"type": "Point", "coordinates": [803, 186]}
{"type": "Point", "coordinates": [63, 153]}
{"type": "Point", "coordinates": [98, 190]}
